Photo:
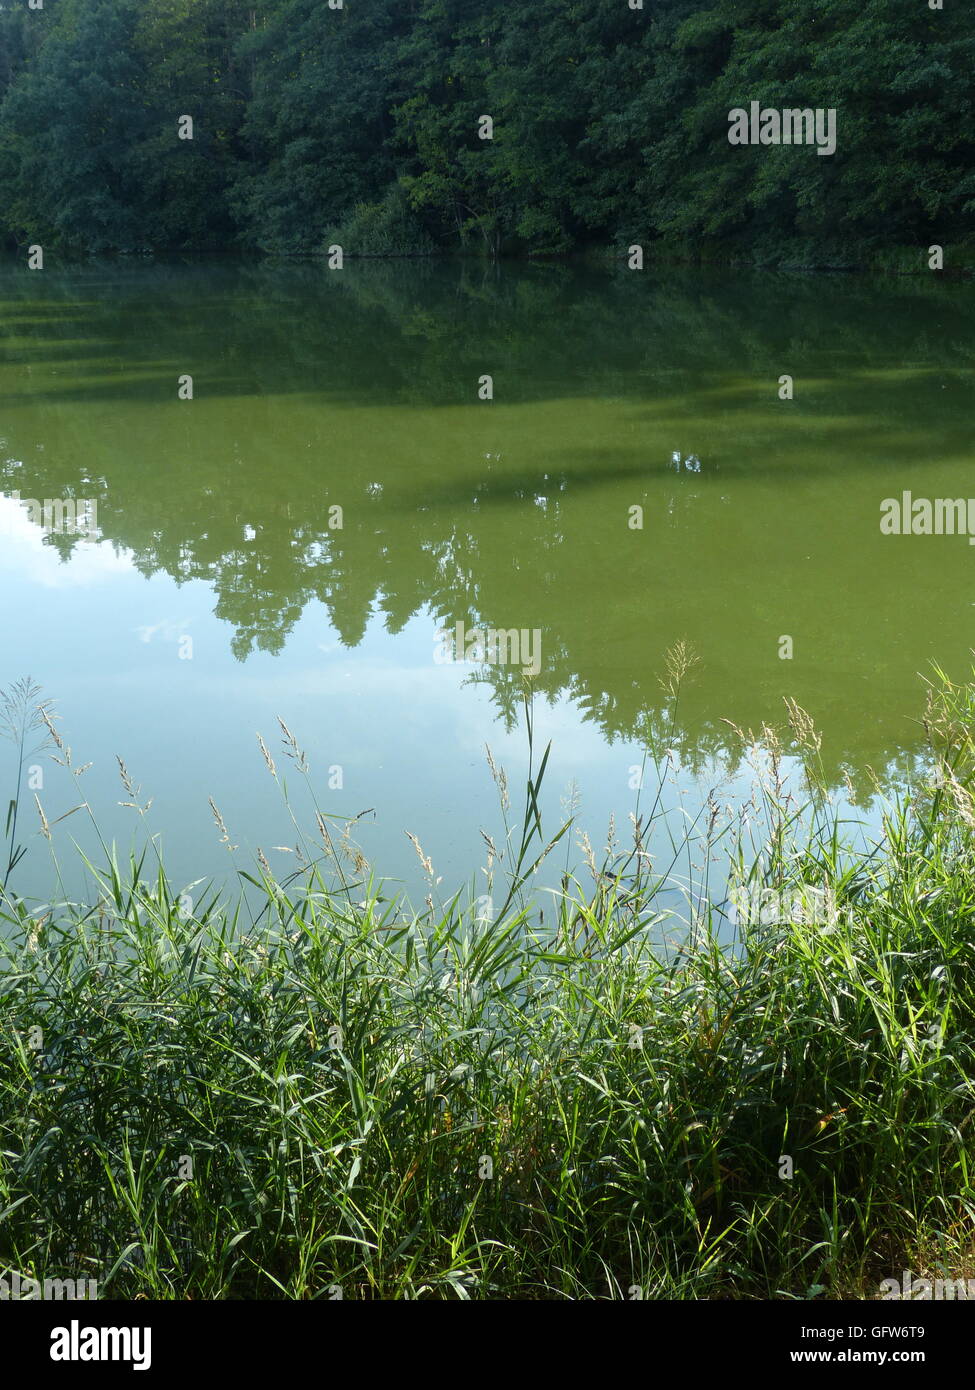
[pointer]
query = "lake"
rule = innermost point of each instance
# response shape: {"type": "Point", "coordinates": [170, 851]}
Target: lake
{"type": "Point", "coordinates": [338, 490]}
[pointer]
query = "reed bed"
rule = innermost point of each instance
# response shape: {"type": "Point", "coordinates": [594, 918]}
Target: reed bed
{"type": "Point", "coordinates": [319, 1093]}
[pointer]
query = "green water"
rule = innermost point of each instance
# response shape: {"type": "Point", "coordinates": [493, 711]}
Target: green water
{"type": "Point", "coordinates": [359, 389]}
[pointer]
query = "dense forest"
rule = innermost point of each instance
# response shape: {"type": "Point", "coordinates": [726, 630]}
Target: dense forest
{"type": "Point", "coordinates": [362, 124]}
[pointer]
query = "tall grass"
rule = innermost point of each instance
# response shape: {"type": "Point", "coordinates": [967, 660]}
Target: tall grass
{"type": "Point", "coordinates": [333, 1096]}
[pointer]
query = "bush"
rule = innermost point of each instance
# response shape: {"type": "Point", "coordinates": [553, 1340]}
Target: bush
{"type": "Point", "coordinates": [387, 228]}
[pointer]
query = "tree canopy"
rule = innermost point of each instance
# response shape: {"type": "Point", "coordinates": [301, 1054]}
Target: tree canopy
{"type": "Point", "coordinates": [364, 123]}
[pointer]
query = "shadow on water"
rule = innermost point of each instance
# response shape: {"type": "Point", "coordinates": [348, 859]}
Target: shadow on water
{"type": "Point", "coordinates": [359, 389]}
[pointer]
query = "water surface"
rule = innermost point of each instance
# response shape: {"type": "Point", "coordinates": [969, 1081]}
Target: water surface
{"type": "Point", "coordinates": [359, 389]}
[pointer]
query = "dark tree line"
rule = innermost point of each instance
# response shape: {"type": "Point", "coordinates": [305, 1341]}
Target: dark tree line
{"type": "Point", "coordinates": [360, 124]}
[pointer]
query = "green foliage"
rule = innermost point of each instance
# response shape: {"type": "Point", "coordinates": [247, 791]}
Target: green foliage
{"type": "Point", "coordinates": [390, 227]}
{"type": "Point", "coordinates": [90, 157]}
{"type": "Point", "coordinates": [318, 1089]}
{"type": "Point", "coordinates": [610, 125]}
{"type": "Point", "coordinates": [314, 139]}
